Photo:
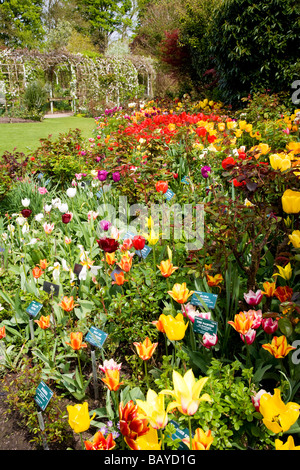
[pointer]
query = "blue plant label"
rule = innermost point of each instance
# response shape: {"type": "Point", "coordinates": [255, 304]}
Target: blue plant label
{"type": "Point", "coordinates": [210, 300]}
{"type": "Point", "coordinates": [204, 325]}
{"type": "Point", "coordinates": [186, 180]}
{"type": "Point", "coordinates": [33, 308]}
{"type": "Point", "coordinates": [127, 235]}
{"type": "Point", "coordinates": [43, 395]}
{"type": "Point", "coordinates": [169, 194]}
{"type": "Point", "coordinates": [180, 434]}
{"type": "Point", "coordinates": [96, 337]}
{"type": "Point", "coordinates": [99, 193]}
{"type": "Point", "coordinates": [144, 252]}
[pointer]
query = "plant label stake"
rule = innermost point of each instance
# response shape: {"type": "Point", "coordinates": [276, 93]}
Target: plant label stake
{"type": "Point", "coordinates": [96, 391]}
{"type": "Point", "coordinates": [96, 338]}
{"type": "Point", "coordinates": [42, 397]}
{"type": "Point", "coordinates": [33, 309]}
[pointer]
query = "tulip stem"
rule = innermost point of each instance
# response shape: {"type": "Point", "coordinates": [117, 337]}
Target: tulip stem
{"type": "Point", "coordinates": [146, 373]}
{"type": "Point", "coordinates": [162, 440]}
{"type": "Point", "coordinates": [82, 443]}
{"type": "Point", "coordinates": [190, 432]}
{"type": "Point", "coordinates": [79, 366]}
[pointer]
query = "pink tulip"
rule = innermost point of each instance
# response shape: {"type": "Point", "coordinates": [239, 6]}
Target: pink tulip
{"type": "Point", "coordinates": [269, 325]}
{"type": "Point", "coordinates": [253, 298]}
{"type": "Point", "coordinates": [209, 340]}
{"type": "Point", "coordinates": [249, 336]}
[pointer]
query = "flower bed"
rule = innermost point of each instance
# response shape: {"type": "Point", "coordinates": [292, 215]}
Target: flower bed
{"type": "Point", "coordinates": [150, 277]}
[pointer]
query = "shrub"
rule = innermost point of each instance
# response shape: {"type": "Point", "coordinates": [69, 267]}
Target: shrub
{"type": "Point", "coordinates": [255, 46]}
{"type": "Point", "coordinates": [60, 159]}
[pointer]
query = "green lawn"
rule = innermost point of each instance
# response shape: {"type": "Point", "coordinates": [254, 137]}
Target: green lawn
{"type": "Point", "coordinates": [25, 136]}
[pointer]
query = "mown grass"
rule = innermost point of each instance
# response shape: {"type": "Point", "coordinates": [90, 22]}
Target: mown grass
{"type": "Point", "coordinates": [25, 137]}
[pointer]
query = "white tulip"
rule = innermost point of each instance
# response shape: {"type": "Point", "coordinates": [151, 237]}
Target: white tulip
{"type": "Point", "coordinates": [71, 192]}
{"type": "Point", "coordinates": [25, 202]}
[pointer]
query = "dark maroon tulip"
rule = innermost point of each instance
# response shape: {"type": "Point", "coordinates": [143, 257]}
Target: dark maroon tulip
{"type": "Point", "coordinates": [26, 212]}
{"type": "Point", "coordinates": [66, 218]}
{"type": "Point", "coordinates": [109, 245]}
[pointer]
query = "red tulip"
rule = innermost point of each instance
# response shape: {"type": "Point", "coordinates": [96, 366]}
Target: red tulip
{"type": "Point", "coordinates": [138, 242]}
{"type": "Point", "coordinates": [26, 213]}
{"type": "Point", "coordinates": [161, 186]}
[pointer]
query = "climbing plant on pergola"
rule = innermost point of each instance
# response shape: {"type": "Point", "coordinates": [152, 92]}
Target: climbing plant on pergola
{"type": "Point", "coordinates": [103, 80]}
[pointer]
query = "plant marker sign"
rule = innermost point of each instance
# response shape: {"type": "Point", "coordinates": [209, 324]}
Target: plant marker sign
{"type": "Point", "coordinates": [96, 337]}
{"type": "Point", "coordinates": [33, 308]}
{"type": "Point", "coordinates": [180, 434]}
{"type": "Point", "coordinates": [43, 395]}
{"type": "Point", "coordinates": [198, 298]}
{"type": "Point", "coordinates": [204, 325]}
{"type": "Point", "coordinates": [144, 252]}
{"type": "Point", "coordinates": [169, 194]}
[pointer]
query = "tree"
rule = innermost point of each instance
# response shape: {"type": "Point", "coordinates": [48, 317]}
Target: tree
{"type": "Point", "coordinates": [255, 46]}
{"type": "Point", "coordinates": [21, 23]}
{"type": "Point", "coordinates": [104, 18]}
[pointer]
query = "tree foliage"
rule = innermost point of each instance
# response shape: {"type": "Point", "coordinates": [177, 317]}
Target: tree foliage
{"type": "Point", "coordinates": [256, 46]}
{"type": "Point", "coordinates": [21, 23]}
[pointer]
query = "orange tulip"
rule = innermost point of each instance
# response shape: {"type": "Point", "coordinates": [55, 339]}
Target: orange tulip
{"type": "Point", "coordinates": [159, 323]}
{"type": "Point", "coordinates": [112, 379]}
{"type": "Point", "coordinates": [110, 258]}
{"type": "Point", "coordinates": [166, 268]}
{"type": "Point", "coordinates": [132, 424]}
{"type": "Point", "coordinates": [284, 293]}
{"type": "Point", "coordinates": [67, 304]}
{"type": "Point", "coordinates": [43, 264]}
{"type": "Point", "coordinates": [37, 272]}
{"type": "Point", "coordinates": [99, 442]}
{"type": "Point", "coordinates": [269, 288]}
{"type": "Point", "coordinates": [213, 281]}
{"type": "Point", "coordinates": [43, 322]}
{"type": "Point", "coordinates": [2, 332]}
{"type": "Point", "coordinates": [146, 349]}
{"type": "Point", "coordinates": [76, 341]}
{"type": "Point", "coordinates": [201, 440]}
{"type": "Point", "coordinates": [242, 323]}
{"type": "Point", "coordinates": [119, 279]}
{"type": "Point", "coordinates": [126, 262]}
{"type": "Point", "coordinates": [278, 347]}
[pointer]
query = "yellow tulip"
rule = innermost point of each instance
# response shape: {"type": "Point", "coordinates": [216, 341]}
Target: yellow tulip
{"type": "Point", "coordinates": [264, 148]}
{"type": "Point", "coordinates": [285, 273]}
{"type": "Point", "coordinates": [280, 162]}
{"type": "Point", "coordinates": [278, 347]}
{"type": "Point", "coordinates": [242, 124]}
{"type": "Point", "coordinates": [291, 201]}
{"type": "Point", "coordinates": [186, 393]}
{"type": "Point", "coordinates": [180, 293]}
{"type": "Point", "coordinates": [154, 409]}
{"type": "Point", "coordinates": [278, 416]}
{"type": "Point", "coordinates": [79, 418]}
{"type": "Point", "coordinates": [148, 441]}
{"type": "Point", "coordinates": [295, 238]}
{"type": "Point", "coordinates": [289, 445]}
{"type": "Point", "coordinates": [174, 327]}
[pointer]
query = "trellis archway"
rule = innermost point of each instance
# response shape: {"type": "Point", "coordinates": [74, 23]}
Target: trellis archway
{"type": "Point", "coordinates": [106, 80]}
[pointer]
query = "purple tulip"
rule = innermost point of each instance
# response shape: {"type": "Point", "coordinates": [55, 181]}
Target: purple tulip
{"type": "Point", "coordinates": [102, 175]}
{"type": "Point", "coordinates": [253, 298]}
{"type": "Point", "coordinates": [205, 170]}
{"type": "Point", "coordinates": [105, 225]}
{"type": "Point", "coordinates": [116, 176]}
